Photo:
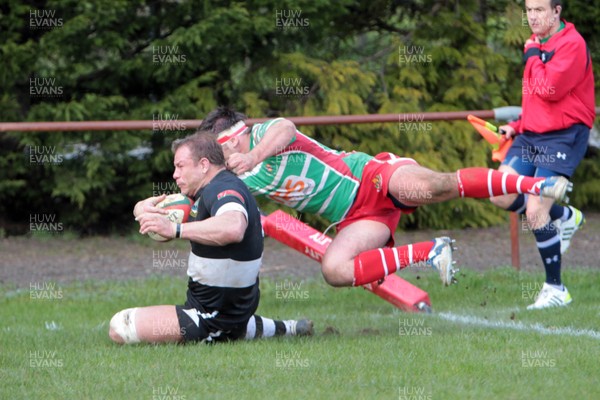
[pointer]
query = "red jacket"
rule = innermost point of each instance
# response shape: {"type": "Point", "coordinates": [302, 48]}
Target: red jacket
{"type": "Point", "coordinates": [560, 92]}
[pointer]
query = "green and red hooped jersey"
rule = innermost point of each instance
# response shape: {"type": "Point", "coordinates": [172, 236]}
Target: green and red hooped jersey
{"type": "Point", "coordinates": [307, 176]}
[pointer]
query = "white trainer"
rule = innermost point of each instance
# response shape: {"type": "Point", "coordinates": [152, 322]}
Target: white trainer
{"type": "Point", "coordinates": [550, 296]}
{"type": "Point", "coordinates": [568, 228]}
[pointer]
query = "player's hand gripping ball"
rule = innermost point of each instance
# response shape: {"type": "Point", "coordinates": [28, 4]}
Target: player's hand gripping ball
{"type": "Point", "coordinates": [179, 207]}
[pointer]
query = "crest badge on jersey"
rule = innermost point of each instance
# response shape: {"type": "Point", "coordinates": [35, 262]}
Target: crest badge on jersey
{"type": "Point", "coordinates": [377, 182]}
{"type": "Point", "coordinates": [194, 210]}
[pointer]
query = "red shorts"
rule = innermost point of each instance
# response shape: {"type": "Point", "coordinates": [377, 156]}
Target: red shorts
{"type": "Point", "coordinates": [372, 201]}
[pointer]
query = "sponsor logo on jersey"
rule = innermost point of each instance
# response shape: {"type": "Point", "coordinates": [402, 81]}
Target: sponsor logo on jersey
{"type": "Point", "coordinates": [377, 182]}
{"type": "Point", "coordinates": [233, 193]}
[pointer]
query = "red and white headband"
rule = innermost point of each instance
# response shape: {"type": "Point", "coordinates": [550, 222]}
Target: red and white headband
{"type": "Point", "coordinates": [236, 130]}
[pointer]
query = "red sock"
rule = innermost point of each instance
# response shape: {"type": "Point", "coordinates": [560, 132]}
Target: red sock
{"type": "Point", "coordinates": [372, 265]}
{"type": "Point", "coordinates": [482, 183]}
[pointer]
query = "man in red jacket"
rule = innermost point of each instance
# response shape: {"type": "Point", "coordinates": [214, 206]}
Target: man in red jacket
{"type": "Point", "coordinates": [551, 136]}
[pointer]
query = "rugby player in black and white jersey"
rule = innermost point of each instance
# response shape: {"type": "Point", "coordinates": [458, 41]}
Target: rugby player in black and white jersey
{"type": "Point", "coordinates": [227, 243]}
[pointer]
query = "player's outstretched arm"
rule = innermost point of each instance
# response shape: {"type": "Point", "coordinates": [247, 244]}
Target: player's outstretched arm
{"type": "Point", "coordinates": [276, 138]}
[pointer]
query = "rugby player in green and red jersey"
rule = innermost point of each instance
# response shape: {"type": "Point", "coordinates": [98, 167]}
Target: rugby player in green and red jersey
{"type": "Point", "coordinates": [364, 196]}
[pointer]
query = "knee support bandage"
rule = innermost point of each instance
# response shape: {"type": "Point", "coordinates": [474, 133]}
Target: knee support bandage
{"type": "Point", "coordinates": [123, 324]}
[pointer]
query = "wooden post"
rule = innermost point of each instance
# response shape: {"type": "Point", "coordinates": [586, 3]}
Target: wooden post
{"type": "Point", "coordinates": [514, 241]}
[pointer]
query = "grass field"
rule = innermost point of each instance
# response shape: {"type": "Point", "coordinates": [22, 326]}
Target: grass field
{"type": "Point", "coordinates": [480, 343]}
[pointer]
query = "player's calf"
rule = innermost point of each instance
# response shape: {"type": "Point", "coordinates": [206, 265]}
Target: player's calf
{"type": "Point", "coordinates": [482, 183]}
{"type": "Point", "coordinates": [373, 265]}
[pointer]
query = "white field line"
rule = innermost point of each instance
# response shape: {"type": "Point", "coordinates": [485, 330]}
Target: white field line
{"type": "Point", "coordinates": [517, 326]}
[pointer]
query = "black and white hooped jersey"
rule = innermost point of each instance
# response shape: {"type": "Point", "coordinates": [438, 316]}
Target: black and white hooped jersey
{"type": "Point", "coordinates": [225, 278]}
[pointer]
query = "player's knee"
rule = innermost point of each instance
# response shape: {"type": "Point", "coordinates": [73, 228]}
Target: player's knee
{"type": "Point", "coordinates": [330, 272]}
{"type": "Point", "coordinates": [327, 272]}
{"type": "Point", "coordinates": [122, 327]}
{"type": "Point", "coordinates": [115, 337]}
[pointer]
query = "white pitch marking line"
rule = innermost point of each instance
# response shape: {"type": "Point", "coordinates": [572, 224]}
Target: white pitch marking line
{"type": "Point", "coordinates": [517, 326]}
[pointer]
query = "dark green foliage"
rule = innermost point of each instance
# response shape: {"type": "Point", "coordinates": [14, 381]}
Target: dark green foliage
{"type": "Point", "coordinates": [587, 176]}
{"type": "Point", "coordinates": [122, 60]}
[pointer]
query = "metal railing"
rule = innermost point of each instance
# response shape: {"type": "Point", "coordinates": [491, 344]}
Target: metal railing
{"type": "Point", "coordinates": [500, 114]}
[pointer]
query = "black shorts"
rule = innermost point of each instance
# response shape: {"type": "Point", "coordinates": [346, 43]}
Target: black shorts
{"type": "Point", "coordinates": [551, 153]}
{"type": "Point", "coordinates": [199, 325]}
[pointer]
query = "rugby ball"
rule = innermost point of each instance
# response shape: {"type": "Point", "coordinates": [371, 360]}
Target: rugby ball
{"type": "Point", "coordinates": [179, 207]}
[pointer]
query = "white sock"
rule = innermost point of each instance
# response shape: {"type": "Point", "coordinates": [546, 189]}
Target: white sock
{"type": "Point", "coordinates": [565, 215]}
{"type": "Point", "coordinates": [560, 287]}
{"type": "Point", "coordinates": [261, 327]}
{"type": "Point", "coordinates": [290, 327]}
